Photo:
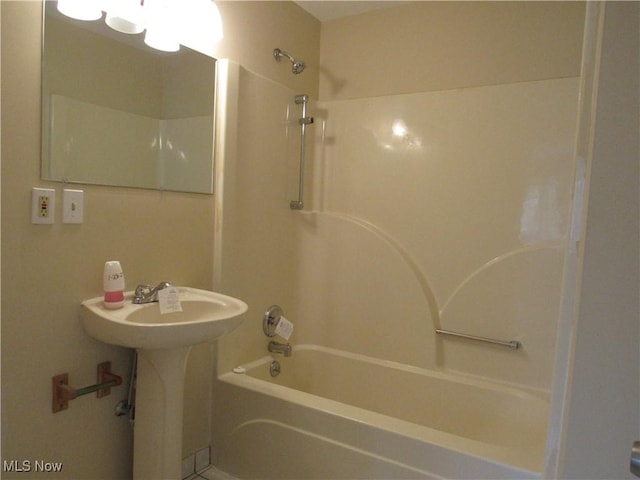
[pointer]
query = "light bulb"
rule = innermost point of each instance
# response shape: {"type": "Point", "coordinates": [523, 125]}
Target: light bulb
{"type": "Point", "coordinates": [122, 25]}
{"type": "Point", "coordinates": [160, 39]}
{"type": "Point", "coordinates": [160, 22]}
{"type": "Point", "coordinates": [80, 9]}
{"type": "Point", "coordinates": [200, 25]}
{"type": "Point", "coordinates": [125, 16]}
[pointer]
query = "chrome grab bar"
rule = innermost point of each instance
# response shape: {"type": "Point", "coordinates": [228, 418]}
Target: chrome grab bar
{"type": "Point", "coordinates": [303, 122]}
{"type": "Point", "coordinates": [513, 344]}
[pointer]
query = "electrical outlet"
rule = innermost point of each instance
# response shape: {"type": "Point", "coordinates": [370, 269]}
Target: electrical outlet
{"type": "Point", "coordinates": [43, 203]}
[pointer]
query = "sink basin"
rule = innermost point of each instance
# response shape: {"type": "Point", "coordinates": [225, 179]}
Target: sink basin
{"type": "Point", "coordinates": [205, 316]}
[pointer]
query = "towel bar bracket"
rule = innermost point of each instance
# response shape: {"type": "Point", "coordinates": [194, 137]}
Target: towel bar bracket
{"type": "Point", "coordinates": [62, 392]}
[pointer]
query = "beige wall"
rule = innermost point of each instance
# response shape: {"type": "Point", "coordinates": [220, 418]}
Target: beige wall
{"type": "Point", "coordinates": [48, 270]}
{"type": "Point", "coordinates": [254, 28]}
{"type": "Point", "coordinates": [426, 46]}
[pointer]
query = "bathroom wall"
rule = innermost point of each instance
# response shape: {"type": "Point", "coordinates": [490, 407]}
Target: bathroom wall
{"type": "Point", "coordinates": [254, 28]}
{"type": "Point", "coordinates": [448, 45]}
{"type": "Point", "coordinates": [48, 270]}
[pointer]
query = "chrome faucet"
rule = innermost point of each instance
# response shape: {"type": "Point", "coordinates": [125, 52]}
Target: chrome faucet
{"type": "Point", "coordinates": [285, 349]}
{"type": "Point", "coordinates": [147, 294]}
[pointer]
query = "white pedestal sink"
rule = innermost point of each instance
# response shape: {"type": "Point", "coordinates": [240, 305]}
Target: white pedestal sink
{"type": "Point", "coordinates": [163, 342]}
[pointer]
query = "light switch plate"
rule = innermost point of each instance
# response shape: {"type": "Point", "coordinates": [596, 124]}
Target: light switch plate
{"type": "Point", "coordinates": [72, 206]}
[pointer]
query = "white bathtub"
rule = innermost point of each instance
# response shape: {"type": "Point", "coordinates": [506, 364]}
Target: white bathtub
{"type": "Point", "coordinates": [332, 414]}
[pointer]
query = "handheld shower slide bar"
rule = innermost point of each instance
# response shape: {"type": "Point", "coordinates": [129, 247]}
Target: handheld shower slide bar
{"type": "Point", "coordinates": [303, 122]}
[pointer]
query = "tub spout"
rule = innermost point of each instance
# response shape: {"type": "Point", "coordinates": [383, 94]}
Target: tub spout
{"type": "Point", "coordinates": [285, 349]}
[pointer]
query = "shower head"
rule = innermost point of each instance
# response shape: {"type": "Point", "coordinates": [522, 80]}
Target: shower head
{"type": "Point", "coordinates": [296, 66]}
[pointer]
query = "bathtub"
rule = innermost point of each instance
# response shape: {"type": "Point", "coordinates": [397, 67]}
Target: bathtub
{"type": "Point", "coordinates": [331, 414]}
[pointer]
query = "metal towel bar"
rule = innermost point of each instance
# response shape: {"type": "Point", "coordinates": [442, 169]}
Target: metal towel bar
{"type": "Point", "coordinates": [513, 344]}
{"type": "Point", "coordinates": [62, 392]}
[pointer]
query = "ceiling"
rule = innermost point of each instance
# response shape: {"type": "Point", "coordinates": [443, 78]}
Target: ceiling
{"type": "Point", "coordinates": [330, 9]}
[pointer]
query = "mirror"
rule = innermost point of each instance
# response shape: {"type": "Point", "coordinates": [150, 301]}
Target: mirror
{"type": "Point", "coordinates": [117, 112]}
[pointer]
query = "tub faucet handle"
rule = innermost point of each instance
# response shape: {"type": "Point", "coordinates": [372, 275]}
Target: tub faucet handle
{"type": "Point", "coordinates": [270, 320]}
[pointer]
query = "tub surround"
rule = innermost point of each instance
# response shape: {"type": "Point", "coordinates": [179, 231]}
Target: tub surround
{"type": "Point", "coordinates": [440, 269]}
{"type": "Point", "coordinates": [487, 216]}
{"type": "Point", "coordinates": [446, 208]}
{"type": "Point", "coordinates": [459, 194]}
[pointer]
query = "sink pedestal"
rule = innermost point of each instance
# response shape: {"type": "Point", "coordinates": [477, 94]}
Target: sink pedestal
{"type": "Point", "coordinates": [163, 341]}
{"type": "Point", "coordinates": [157, 434]}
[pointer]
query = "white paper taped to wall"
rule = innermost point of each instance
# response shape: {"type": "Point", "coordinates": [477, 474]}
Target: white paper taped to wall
{"type": "Point", "coordinates": [284, 328]}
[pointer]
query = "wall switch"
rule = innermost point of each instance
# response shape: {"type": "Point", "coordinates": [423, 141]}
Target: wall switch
{"type": "Point", "coordinates": [43, 204]}
{"type": "Point", "coordinates": [72, 206]}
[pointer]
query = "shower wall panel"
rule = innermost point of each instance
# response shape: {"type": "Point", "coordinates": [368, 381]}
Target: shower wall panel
{"type": "Point", "coordinates": [444, 209]}
{"type": "Point", "coordinates": [256, 229]}
{"type": "Point", "coordinates": [434, 210]}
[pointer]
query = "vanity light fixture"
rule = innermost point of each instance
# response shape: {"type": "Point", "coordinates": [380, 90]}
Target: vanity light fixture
{"type": "Point", "coordinates": [119, 23]}
{"type": "Point", "coordinates": [196, 23]}
{"type": "Point", "coordinates": [125, 16]}
{"type": "Point", "coordinates": [200, 24]}
{"type": "Point", "coordinates": [80, 9]}
{"type": "Point", "coordinates": [161, 23]}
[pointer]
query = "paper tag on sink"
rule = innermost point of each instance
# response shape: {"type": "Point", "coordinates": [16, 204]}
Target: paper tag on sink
{"type": "Point", "coordinates": [169, 300]}
{"type": "Point", "coordinates": [284, 328]}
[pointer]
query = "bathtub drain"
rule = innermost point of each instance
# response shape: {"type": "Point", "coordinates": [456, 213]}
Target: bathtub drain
{"type": "Point", "coordinates": [274, 368]}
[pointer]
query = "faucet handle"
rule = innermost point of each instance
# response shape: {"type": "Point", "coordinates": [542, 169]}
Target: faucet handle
{"type": "Point", "coordinates": [162, 286]}
{"type": "Point", "coordinates": [141, 291]}
{"type": "Point", "coordinates": [143, 288]}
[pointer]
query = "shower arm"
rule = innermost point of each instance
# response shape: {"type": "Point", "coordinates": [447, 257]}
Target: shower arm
{"type": "Point", "coordinates": [296, 66]}
{"type": "Point", "coordinates": [281, 53]}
